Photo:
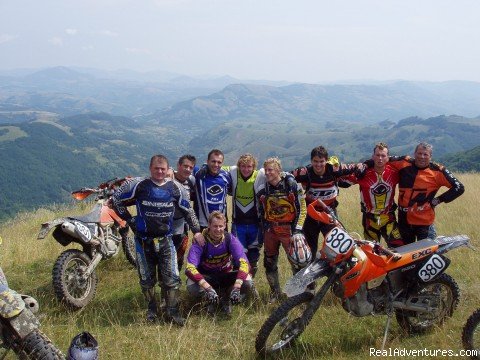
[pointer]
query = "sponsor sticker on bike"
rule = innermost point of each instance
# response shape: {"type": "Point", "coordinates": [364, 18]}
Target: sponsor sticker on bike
{"type": "Point", "coordinates": [339, 241]}
{"type": "Point", "coordinates": [85, 231]}
{"type": "Point", "coordinates": [432, 267]}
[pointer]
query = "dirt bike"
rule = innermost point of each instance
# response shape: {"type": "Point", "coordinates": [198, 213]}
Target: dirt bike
{"type": "Point", "coordinates": [100, 234]}
{"type": "Point", "coordinates": [408, 281]}
{"type": "Point", "coordinates": [471, 335]}
{"type": "Point", "coordinates": [19, 327]}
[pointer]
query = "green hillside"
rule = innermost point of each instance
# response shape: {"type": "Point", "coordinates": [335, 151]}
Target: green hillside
{"type": "Point", "coordinates": [43, 161]}
{"type": "Point", "coordinates": [464, 161]}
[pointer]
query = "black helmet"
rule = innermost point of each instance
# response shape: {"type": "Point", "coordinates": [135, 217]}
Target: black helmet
{"type": "Point", "coordinates": [83, 347]}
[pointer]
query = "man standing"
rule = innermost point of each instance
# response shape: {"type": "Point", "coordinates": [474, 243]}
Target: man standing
{"type": "Point", "coordinates": [377, 196]}
{"type": "Point", "coordinates": [419, 181]}
{"type": "Point", "coordinates": [219, 267]}
{"type": "Point", "coordinates": [156, 199]}
{"type": "Point", "coordinates": [212, 184]}
{"type": "Point", "coordinates": [320, 181]}
{"type": "Point", "coordinates": [246, 222]}
{"type": "Point", "coordinates": [282, 211]}
{"type": "Point", "coordinates": [183, 175]}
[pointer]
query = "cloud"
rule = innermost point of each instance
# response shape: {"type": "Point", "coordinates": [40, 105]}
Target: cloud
{"type": "Point", "coordinates": [4, 38]}
{"type": "Point", "coordinates": [56, 40]}
{"type": "Point", "coordinates": [87, 48]}
{"type": "Point", "coordinates": [109, 33]}
{"type": "Point", "coordinates": [71, 31]}
{"type": "Point", "coordinates": [138, 51]}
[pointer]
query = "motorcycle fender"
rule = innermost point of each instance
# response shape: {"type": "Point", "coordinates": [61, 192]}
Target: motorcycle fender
{"type": "Point", "coordinates": [46, 227]}
{"type": "Point", "coordinates": [11, 303]}
{"type": "Point", "coordinates": [24, 323]}
{"type": "Point", "coordinates": [299, 282]}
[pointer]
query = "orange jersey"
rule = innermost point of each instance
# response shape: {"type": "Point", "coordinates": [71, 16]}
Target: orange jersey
{"type": "Point", "coordinates": [418, 186]}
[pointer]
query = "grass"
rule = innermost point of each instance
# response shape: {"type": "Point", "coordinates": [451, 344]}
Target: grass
{"type": "Point", "coordinates": [116, 315]}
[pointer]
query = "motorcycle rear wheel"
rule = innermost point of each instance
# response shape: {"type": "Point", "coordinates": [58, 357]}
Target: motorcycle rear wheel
{"type": "Point", "coordinates": [37, 346]}
{"type": "Point", "coordinates": [70, 288]}
{"type": "Point", "coordinates": [444, 295]}
{"type": "Point", "coordinates": [471, 334]}
{"type": "Point", "coordinates": [128, 245]}
{"type": "Point", "coordinates": [283, 326]}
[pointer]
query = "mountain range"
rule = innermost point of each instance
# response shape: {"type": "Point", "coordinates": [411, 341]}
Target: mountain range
{"type": "Point", "coordinates": [54, 139]}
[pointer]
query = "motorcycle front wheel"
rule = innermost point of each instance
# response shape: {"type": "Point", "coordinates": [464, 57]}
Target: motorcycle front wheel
{"type": "Point", "coordinates": [442, 294]}
{"type": "Point", "coordinates": [70, 287]}
{"type": "Point", "coordinates": [471, 335]}
{"type": "Point", "coordinates": [283, 326]}
{"type": "Point", "coordinates": [37, 346]}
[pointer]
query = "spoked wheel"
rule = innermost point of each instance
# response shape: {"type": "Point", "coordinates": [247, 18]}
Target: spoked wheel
{"type": "Point", "coordinates": [471, 335]}
{"type": "Point", "coordinates": [283, 326]}
{"type": "Point", "coordinates": [70, 287]}
{"type": "Point", "coordinates": [442, 294]}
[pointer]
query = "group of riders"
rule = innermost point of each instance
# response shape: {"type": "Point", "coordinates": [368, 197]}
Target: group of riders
{"type": "Point", "coordinates": [269, 210]}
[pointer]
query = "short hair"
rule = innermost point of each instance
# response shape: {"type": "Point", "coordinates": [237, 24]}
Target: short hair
{"type": "Point", "coordinates": [215, 152]}
{"type": "Point", "coordinates": [188, 157]}
{"type": "Point", "coordinates": [216, 215]}
{"type": "Point", "coordinates": [245, 159]}
{"type": "Point", "coordinates": [275, 161]}
{"type": "Point", "coordinates": [319, 151]}
{"type": "Point", "coordinates": [426, 146]}
{"type": "Point", "coordinates": [158, 158]}
{"type": "Point", "coordinates": [380, 146]}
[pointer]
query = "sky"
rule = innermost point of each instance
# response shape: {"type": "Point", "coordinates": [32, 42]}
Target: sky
{"type": "Point", "coordinates": [298, 40]}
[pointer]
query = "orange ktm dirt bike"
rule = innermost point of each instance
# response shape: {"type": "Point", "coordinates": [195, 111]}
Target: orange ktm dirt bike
{"type": "Point", "coordinates": [471, 335]}
{"type": "Point", "coordinates": [100, 233]}
{"type": "Point", "coordinates": [408, 281]}
{"type": "Point", "coordinates": [19, 327]}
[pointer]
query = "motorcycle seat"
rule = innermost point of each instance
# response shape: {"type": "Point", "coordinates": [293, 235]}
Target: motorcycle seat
{"type": "Point", "coordinates": [419, 245]}
{"type": "Point", "coordinates": [92, 217]}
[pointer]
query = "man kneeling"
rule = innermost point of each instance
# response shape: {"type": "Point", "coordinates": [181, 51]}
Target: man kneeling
{"type": "Point", "coordinates": [218, 270]}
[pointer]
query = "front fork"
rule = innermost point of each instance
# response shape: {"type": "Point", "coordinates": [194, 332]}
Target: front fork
{"type": "Point", "coordinates": [314, 304]}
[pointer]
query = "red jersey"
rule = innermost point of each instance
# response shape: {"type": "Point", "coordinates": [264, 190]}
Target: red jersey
{"type": "Point", "coordinates": [377, 191]}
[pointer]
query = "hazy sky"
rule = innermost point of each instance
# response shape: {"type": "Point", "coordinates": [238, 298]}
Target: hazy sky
{"type": "Point", "coordinates": [297, 40]}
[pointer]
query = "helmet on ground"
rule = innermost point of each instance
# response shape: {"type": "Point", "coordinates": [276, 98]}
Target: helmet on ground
{"type": "Point", "coordinates": [83, 347]}
{"type": "Point", "coordinates": [299, 252]}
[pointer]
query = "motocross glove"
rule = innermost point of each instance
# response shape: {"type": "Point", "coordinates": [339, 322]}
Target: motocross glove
{"type": "Point", "coordinates": [235, 295]}
{"type": "Point", "coordinates": [211, 296]}
{"type": "Point", "coordinates": [297, 235]}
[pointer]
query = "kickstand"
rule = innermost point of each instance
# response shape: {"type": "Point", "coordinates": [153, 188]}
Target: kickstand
{"type": "Point", "coordinates": [387, 327]}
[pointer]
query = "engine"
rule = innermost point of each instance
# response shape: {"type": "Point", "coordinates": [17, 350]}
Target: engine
{"type": "Point", "coordinates": [367, 301]}
{"type": "Point", "coordinates": [112, 243]}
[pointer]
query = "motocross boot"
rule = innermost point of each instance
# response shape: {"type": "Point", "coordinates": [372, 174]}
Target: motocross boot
{"type": "Point", "coordinates": [173, 313]}
{"type": "Point", "coordinates": [275, 291]}
{"type": "Point", "coordinates": [151, 304]}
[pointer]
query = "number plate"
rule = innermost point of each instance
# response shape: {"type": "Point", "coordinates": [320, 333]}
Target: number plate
{"type": "Point", "coordinates": [432, 268]}
{"type": "Point", "coordinates": [339, 241]}
{"type": "Point", "coordinates": [85, 231]}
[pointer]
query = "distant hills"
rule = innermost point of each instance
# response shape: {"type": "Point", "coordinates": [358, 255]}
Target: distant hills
{"type": "Point", "coordinates": [366, 104]}
{"type": "Point", "coordinates": [54, 138]}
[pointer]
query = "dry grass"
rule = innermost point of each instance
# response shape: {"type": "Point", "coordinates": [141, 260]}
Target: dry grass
{"type": "Point", "coordinates": [116, 314]}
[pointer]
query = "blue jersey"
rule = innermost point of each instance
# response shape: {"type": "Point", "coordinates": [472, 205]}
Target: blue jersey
{"type": "Point", "coordinates": [211, 193]}
{"type": "Point", "coordinates": [155, 205]}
